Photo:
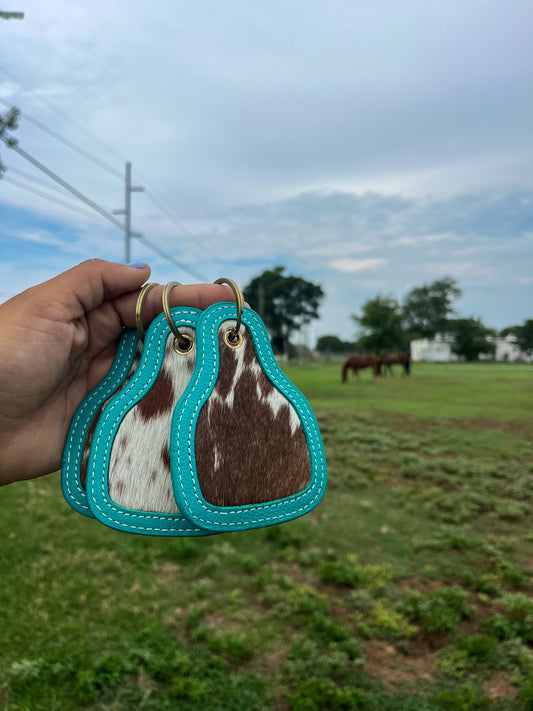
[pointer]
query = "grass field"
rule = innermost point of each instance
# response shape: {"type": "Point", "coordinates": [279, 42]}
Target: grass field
{"type": "Point", "coordinates": [408, 588]}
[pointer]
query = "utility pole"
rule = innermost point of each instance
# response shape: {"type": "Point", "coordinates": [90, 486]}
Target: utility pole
{"type": "Point", "coordinates": [129, 189]}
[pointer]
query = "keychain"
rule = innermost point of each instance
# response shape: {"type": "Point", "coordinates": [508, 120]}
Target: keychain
{"type": "Point", "coordinates": [245, 447]}
{"type": "Point", "coordinates": [129, 484]}
{"type": "Point", "coordinates": [79, 437]}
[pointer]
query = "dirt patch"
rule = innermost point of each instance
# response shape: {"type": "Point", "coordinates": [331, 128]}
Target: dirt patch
{"type": "Point", "coordinates": [167, 572]}
{"type": "Point", "coordinates": [394, 667]}
{"type": "Point", "coordinates": [271, 661]}
{"type": "Point", "coordinates": [421, 426]}
{"type": "Point", "coordinates": [498, 686]}
{"type": "Point", "coordinates": [517, 428]}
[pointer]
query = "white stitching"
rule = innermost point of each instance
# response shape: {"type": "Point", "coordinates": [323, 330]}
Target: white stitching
{"type": "Point", "coordinates": [241, 511]}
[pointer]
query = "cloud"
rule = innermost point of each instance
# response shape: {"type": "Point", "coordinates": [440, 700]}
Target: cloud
{"type": "Point", "coordinates": [390, 142]}
{"type": "Point", "coordinates": [42, 237]}
{"type": "Point", "coordinates": [351, 266]}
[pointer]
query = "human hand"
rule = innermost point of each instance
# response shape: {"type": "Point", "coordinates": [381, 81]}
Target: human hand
{"type": "Point", "coordinates": [57, 341]}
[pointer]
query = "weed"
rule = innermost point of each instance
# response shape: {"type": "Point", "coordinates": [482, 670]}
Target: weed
{"type": "Point", "coordinates": [465, 698]}
{"type": "Point", "coordinates": [517, 623]}
{"type": "Point", "coordinates": [325, 695]}
{"type": "Point", "coordinates": [362, 600]}
{"type": "Point", "coordinates": [183, 549]}
{"type": "Point", "coordinates": [441, 611]}
{"type": "Point", "coordinates": [282, 536]}
{"type": "Point", "coordinates": [236, 645]}
{"type": "Point", "coordinates": [514, 656]}
{"type": "Point", "coordinates": [249, 563]}
{"type": "Point", "coordinates": [305, 659]}
{"type": "Point", "coordinates": [301, 602]}
{"type": "Point", "coordinates": [526, 695]}
{"type": "Point", "coordinates": [468, 653]}
{"type": "Point", "coordinates": [324, 630]}
{"type": "Point", "coordinates": [203, 587]}
{"type": "Point", "coordinates": [341, 572]}
{"type": "Point", "coordinates": [386, 622]}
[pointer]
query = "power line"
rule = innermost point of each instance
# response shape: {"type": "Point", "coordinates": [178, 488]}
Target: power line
{"type": "Point", "coordinates": [67, 186]}
{"type": "Point", "coordinates": [166, 211]}
{"type": "Point", "coordinates": [33, 179]}
{"type": "Point", "coordinates": [51, 198]}
{"type": "Point", "coordinates": [65, 141]}
{"type": "Point", "coordinates": [67, 118]}
{"type": "Point", "coordinates": [167, 256]}
{"type": "Point", "coordinates": [151, 196]}
{"type": "Point", "coordinates": [137, 235]}
{"type": "Point", "coordinates": [86, 154]}
{"type": "Point", "coordinates": [100, 210]}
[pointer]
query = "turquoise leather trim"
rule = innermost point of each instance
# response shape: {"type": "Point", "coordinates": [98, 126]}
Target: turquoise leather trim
{"type": "Point", "coordinates": [102, 506]}
{"type": "Point", "coordinates": [182, 443]}
{"type": "Point", "coordinates": [73, 490]}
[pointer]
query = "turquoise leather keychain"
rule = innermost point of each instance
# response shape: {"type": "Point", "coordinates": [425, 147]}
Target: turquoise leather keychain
{"type": "Point", "coordinates": [129, 484]}
{"type": "Point", "coordinates": [79, 437]}
{"type": "Point", "coordinates": [245, 447]}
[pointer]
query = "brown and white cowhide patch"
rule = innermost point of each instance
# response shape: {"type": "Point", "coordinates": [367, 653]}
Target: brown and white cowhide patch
{"type": "Point", "coordinates": [249, 443]}
{"type": "Point", "coordinates": [139, 469]}
{"type": "Point", "coordinates": [90, 434]}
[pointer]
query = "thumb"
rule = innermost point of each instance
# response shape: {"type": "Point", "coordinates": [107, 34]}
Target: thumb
{"type": "Point", "coordinates": [94, 281]}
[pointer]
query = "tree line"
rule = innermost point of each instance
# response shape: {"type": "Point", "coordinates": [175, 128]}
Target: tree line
{"type": "Point", "coordinates": [383, 324]}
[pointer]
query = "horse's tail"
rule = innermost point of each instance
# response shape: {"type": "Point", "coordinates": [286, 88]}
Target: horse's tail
{"type": "Point", "coordinates": [407, 364]}
{"type": "Point", "coordinates": [345, 370]}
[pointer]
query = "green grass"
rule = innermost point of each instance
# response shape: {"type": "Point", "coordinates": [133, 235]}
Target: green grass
{"type": "Point", "coordinates": [408, 588]}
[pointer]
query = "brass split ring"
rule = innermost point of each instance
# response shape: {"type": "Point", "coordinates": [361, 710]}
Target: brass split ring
{"type": "Point", "coordinates": [183, 343]}
{"type": "Point", "coordinates": [233, 336]}
{"type": "Point", "coordinates": [138, 308]}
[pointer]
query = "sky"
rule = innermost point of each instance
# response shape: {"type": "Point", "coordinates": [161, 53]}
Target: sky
{"type": "Point", "coordinates": [369, 147]}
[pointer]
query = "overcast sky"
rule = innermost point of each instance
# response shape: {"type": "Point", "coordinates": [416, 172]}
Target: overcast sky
{"type": "Point", "coordinates": [367, 146]}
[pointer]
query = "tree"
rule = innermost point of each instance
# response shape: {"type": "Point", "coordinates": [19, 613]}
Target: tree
{"type": "Point", "coordinates": [285, 303]}
{"type": "Point", "coordinates": [426, 308]}
{"type": "Point", "coordinates": [470, 338]}
{"type": "Point", "coordinates": [333, 344]}
{"type": "Point", "coordinates": [380, 324]}
{"type": "Point", "coordinates": [8, 122]}
{"type": "Point", "coordinates": [524, 336]}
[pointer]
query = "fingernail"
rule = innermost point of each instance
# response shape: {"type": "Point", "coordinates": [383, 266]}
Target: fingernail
{"type": "Point", "coordinates": [137, 265]}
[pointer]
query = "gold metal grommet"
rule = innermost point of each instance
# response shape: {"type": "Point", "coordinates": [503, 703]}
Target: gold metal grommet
{"type": "Point", "coordinates": [233, 338]}
{"type": "Point", "coordinates": [239, 300]}
{"type": "Point", "coordinates": [182, 340]}
{"type": "Point", "coordinates": [138, 308]}
{"type": "Point", "coordinates": [185, 346]}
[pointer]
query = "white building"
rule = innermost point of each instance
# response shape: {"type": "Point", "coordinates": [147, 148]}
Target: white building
{"type": "Point", "coordinates": [439, 350]}
{"type": "Point", "coordinates": [436, 350]}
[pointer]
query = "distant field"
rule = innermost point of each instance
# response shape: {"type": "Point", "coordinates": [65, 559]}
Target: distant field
{"type": "Point", "coordinates": [407, 589]}
{"type": "Point", "coordinates": [435, 389]}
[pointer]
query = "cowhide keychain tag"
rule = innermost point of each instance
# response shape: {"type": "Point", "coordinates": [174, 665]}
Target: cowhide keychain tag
{"type": "Point", "coordinates": [79, 437]}
{"type": "Point", "coordinates": [128, 475]}
{"type": "Point", "coordinates": [245, 448]}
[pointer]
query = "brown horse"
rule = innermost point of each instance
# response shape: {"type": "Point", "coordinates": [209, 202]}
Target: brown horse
{"type": "Point", "coordinates": [356, 362]}
{"type": "Point", "coordinates": [403, 359]}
